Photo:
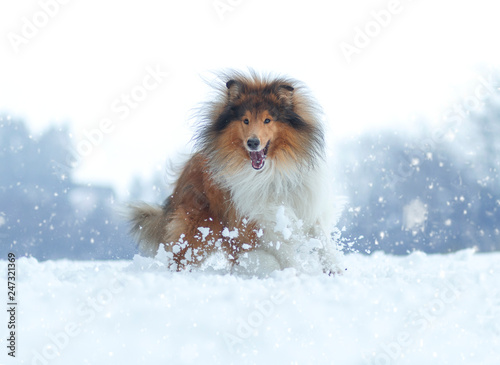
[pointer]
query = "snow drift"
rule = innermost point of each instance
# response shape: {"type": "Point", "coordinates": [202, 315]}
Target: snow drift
{"type": "Point", "coordinates": [417, 309]}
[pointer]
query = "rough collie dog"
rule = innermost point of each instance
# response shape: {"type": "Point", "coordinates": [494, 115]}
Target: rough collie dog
{"type": "Point", "coordinates": [255, 189]}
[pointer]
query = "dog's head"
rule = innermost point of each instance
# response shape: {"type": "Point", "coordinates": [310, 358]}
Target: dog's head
{"type": "Point", "coordinates": [263, 119]}
{"type": "Point", "coordinates": [256, 120]}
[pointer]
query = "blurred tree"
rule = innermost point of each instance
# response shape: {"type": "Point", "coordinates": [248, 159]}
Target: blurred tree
{"type": "Point", "coordinates": [422, 193]}
{"type": "Point", "coordinates": [43, 212]}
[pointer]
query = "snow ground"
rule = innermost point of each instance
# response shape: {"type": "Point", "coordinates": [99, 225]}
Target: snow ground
{"type": "Point", "coordinates": [416, 309]}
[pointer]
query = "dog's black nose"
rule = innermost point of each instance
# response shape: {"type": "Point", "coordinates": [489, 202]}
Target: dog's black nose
{"type": "Point", "coordinates": [253, 143]}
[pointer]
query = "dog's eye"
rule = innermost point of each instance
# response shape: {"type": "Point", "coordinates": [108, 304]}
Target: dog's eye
{"type": "Point", "coordinates": [267, 121]}
{"type": "Point", "coordinates": [246, 121]}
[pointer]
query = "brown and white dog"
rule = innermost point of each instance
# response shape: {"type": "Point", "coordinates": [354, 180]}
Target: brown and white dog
{"type": "Point", "coordinates": [255, 188]}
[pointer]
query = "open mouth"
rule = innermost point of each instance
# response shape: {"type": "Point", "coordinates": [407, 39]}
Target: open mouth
{"type": "Point", "coordinates": [258, 158]}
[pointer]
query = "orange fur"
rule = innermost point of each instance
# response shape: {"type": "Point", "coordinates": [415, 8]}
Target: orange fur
{"type": "Point", "coordinates": [197, 201]}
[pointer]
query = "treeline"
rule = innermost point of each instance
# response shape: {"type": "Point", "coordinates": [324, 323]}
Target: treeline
{"type": "Point", "coordinates": [43, 212]}
{"type": "Point", "coordinates": [437, 191]}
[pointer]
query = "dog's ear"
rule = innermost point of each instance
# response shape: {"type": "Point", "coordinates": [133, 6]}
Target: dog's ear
{"type": "Point", "coordinates": [233, 90]}
{"type": "Point", "coordinates": [285, 94]}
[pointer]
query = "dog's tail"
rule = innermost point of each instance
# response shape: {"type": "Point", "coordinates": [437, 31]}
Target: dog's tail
{"type": "Point", "coordinates": [148, 226]}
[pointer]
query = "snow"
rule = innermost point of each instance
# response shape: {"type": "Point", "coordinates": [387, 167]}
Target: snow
{"type": "Point", "coordinates": [205, 231]}
{"type": "Point", "coordinates": [414, 309]}
{"type": "Point", "coordinates": [230, 234]}
{"type": "Point", "coordinates": [415, 215]}
{"type": "Point", "coordinates": [283, 223]}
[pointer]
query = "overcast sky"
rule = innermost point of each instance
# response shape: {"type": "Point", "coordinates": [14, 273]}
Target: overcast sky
{"type": "Point", "coordinates": [133, 69]}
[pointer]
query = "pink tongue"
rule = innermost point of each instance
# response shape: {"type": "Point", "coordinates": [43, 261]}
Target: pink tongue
{"type": "Point", "coordinates": [258, 159]}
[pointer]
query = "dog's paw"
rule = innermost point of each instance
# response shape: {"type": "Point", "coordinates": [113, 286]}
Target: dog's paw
{"type": "Point", "coordinates": [337, 271]}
